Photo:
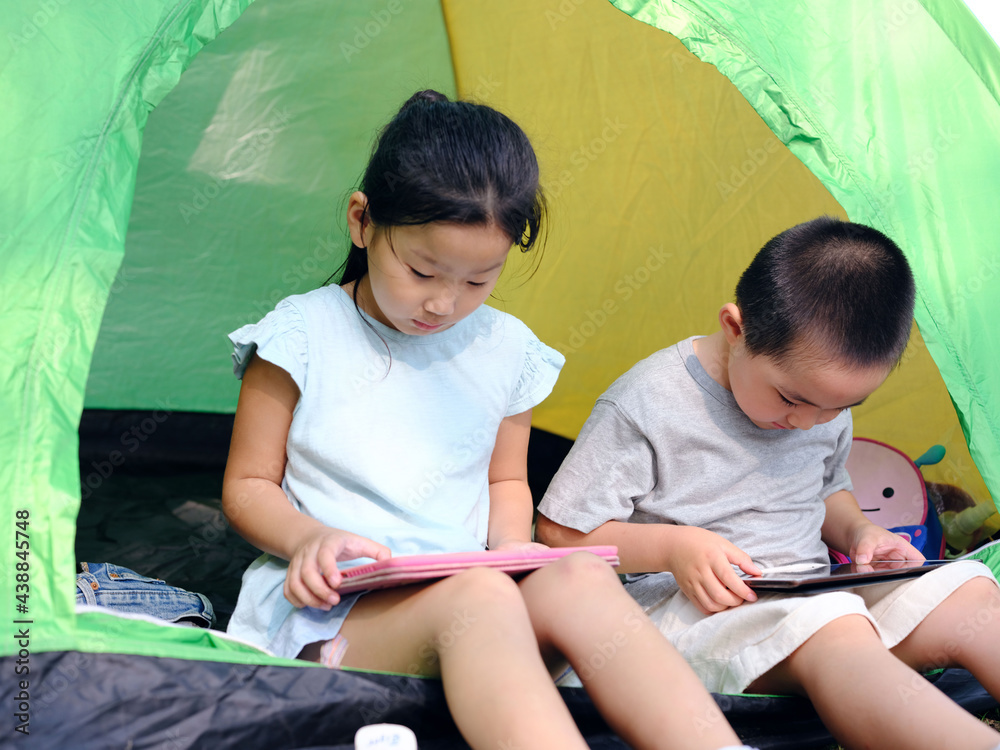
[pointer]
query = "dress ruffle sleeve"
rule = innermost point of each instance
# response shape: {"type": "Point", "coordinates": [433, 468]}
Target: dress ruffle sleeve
{"type": "Point", "coordinates": [541, 370]}
{"type": "Point", "coordinates": [280, 338]}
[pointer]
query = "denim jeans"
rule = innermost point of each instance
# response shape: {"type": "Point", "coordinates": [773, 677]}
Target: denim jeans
{"type": "Point", "coordinates": [124, 590]}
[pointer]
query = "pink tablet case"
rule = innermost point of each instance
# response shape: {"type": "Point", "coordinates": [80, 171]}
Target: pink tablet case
{"type": "Point", "coordinates": [400, 571]}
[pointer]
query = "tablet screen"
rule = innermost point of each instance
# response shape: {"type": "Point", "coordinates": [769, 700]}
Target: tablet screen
{"type": "Point", "coordinates": [840, 576]}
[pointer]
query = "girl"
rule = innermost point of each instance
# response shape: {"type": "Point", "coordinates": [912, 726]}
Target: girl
{"type": "Point", "coordinates": [390, 415]}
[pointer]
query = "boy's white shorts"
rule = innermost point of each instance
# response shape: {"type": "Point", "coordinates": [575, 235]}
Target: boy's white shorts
{"type": "Point", "coordinates": [729, 650]}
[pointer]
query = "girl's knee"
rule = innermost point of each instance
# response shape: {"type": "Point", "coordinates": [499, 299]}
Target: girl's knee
{"type": "Point", "coordinates": [578, 577]}
{"type": "Point", "coordinates": [582, 570]}
{"type": "Point", "coordinates": [460, 603]}
{"type": "Point", "coordinates": [479, 587]}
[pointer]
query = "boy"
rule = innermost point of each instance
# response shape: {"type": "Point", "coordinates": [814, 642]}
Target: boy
{"type": "Point", "coordinates": [727, 452]}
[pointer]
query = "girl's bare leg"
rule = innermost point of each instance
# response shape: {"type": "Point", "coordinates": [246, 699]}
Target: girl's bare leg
{"type": "Point", "coordinates": [473, 630]}
{"type": "Point", "coordinates": [641, 685]}
{"type": "Point", "coordinates": [868, 698]}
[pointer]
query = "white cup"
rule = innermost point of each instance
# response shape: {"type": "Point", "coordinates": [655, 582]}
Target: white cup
{"type": "Point", "coordinates": [378, 736]}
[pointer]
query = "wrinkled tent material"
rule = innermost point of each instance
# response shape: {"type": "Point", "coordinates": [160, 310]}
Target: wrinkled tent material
{"type": "Point", "coordinates": [129, 251]}
{"type": "Point", "coordinates": [172, 703]}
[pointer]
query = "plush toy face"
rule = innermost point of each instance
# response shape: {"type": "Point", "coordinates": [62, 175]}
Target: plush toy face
{"type": "Point", "coordinates": [888, 485]}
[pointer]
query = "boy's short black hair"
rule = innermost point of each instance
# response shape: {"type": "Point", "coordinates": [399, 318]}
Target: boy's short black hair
{"type": "Point", "coordinates": [844, 288]}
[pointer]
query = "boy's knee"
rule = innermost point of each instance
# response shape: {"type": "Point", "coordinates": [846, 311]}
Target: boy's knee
{"type": "Point", "coordinates": [976, 609]}
{"type": "Point", "coordinates": [849, 630]}
{"type": "Point", "coordinates": [975, 606]}
{"type": "Point", "coordinates": [849, 638]}
{"type": "Point", "coordinates": [982, 589]}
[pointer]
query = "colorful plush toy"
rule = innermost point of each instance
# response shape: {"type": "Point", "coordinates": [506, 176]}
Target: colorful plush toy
{"type": "Point", "coordinates": [933, 516]}
{"type": "Point", "coordinates": [891, 492]}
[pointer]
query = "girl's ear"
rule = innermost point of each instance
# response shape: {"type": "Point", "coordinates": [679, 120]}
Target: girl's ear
{"type": "Point", "coordinates": [358, 221]}
{"type": "Point", "coordinates": [731, 322]}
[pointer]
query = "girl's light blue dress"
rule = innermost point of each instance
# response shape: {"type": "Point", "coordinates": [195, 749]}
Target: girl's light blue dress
{"type": "Point", "coordinates": [391, 437]}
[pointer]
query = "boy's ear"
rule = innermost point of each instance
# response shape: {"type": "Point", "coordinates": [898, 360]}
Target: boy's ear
{"type": "Point", "coordinates": [358, 221]}
{"type": "Point", "coordinates": [731, 323]}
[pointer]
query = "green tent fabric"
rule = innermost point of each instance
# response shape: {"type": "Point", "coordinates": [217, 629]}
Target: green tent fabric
{"type": "Point", "coordinates": [80, 80]}
{"type": "Point", "coordinates": [241, 184]}
{"type": "Point", "coordinates": [911, 146]}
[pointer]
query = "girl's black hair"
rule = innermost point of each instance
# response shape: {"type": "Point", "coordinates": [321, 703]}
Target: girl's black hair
{"type": "Point", "coordinates": [450, 161]}
{"type": "Point", "coordinates": [842, 286]}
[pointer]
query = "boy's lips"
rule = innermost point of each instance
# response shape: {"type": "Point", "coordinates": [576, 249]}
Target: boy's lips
{"type": "Point", "coordinates": [779, 426]}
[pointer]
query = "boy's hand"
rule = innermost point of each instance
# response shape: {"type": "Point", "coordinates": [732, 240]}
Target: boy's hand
{"type": "Point", "coordinates": [312, 578]}
{"type": "Point", "coordinates": [871, 542]}
{"type": "Point", "coordinates": [702, 562]}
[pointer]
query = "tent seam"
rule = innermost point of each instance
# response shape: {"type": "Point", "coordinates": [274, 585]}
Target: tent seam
{"type": "Point", "coordinates": [451, 47]}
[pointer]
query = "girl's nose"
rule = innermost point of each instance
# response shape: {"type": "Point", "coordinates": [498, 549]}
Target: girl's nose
{"type": "Point", "coordinates": [442, 303]}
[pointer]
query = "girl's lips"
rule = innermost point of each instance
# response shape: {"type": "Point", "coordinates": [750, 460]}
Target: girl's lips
{"type": "Point", "coordinates": [426, 326]}
{"type": "Point", "coordinates": [780, 427]}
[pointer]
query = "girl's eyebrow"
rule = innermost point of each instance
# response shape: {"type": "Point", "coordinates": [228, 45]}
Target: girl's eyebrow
{"type": "Point", "coordinates": [494, 267]}
{"type": "Point", "coordinates": [433, 262]}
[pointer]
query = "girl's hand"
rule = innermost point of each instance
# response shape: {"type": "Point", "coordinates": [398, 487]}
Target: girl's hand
{"type": "Point", "coordinates": [702, 562]}
{"type": "Point", "coordinates": [313, 577]}
{"type": "Point", "coordinates": [871, 542]}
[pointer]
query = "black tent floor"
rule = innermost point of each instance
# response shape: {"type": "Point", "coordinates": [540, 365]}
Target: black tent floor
{"type": "Point", "coordinates": [169, 525]}
{"type": "Point", "coordinates": [83, 701]}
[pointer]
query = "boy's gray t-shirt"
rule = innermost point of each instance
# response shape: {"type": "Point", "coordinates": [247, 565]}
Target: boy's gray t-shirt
{"type": "Point", "coordinates": [668, 444]}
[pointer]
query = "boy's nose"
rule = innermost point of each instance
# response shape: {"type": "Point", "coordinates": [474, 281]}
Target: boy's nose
{"type": "Point", "coordinates": [804, 417]}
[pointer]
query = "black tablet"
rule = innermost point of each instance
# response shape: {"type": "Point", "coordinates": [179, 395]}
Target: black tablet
{"type": "Point", "coordinates": [841, 576]}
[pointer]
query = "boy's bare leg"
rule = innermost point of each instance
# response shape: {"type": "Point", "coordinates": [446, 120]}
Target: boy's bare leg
{"type": "Point", "coordinates": [641, 685]}
{"type": "Point", "coordinates": [472, 630]}
{"type": "Point", "coordinates": [963, 630]}
{"type": "Point", "coordinates": [869, 698]}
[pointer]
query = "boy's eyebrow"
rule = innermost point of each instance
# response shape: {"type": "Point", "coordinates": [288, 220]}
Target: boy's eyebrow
{"type": "Point", "coordinates": [793, 396]}
{"type": "Point", "coordinates": [433, 262]}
